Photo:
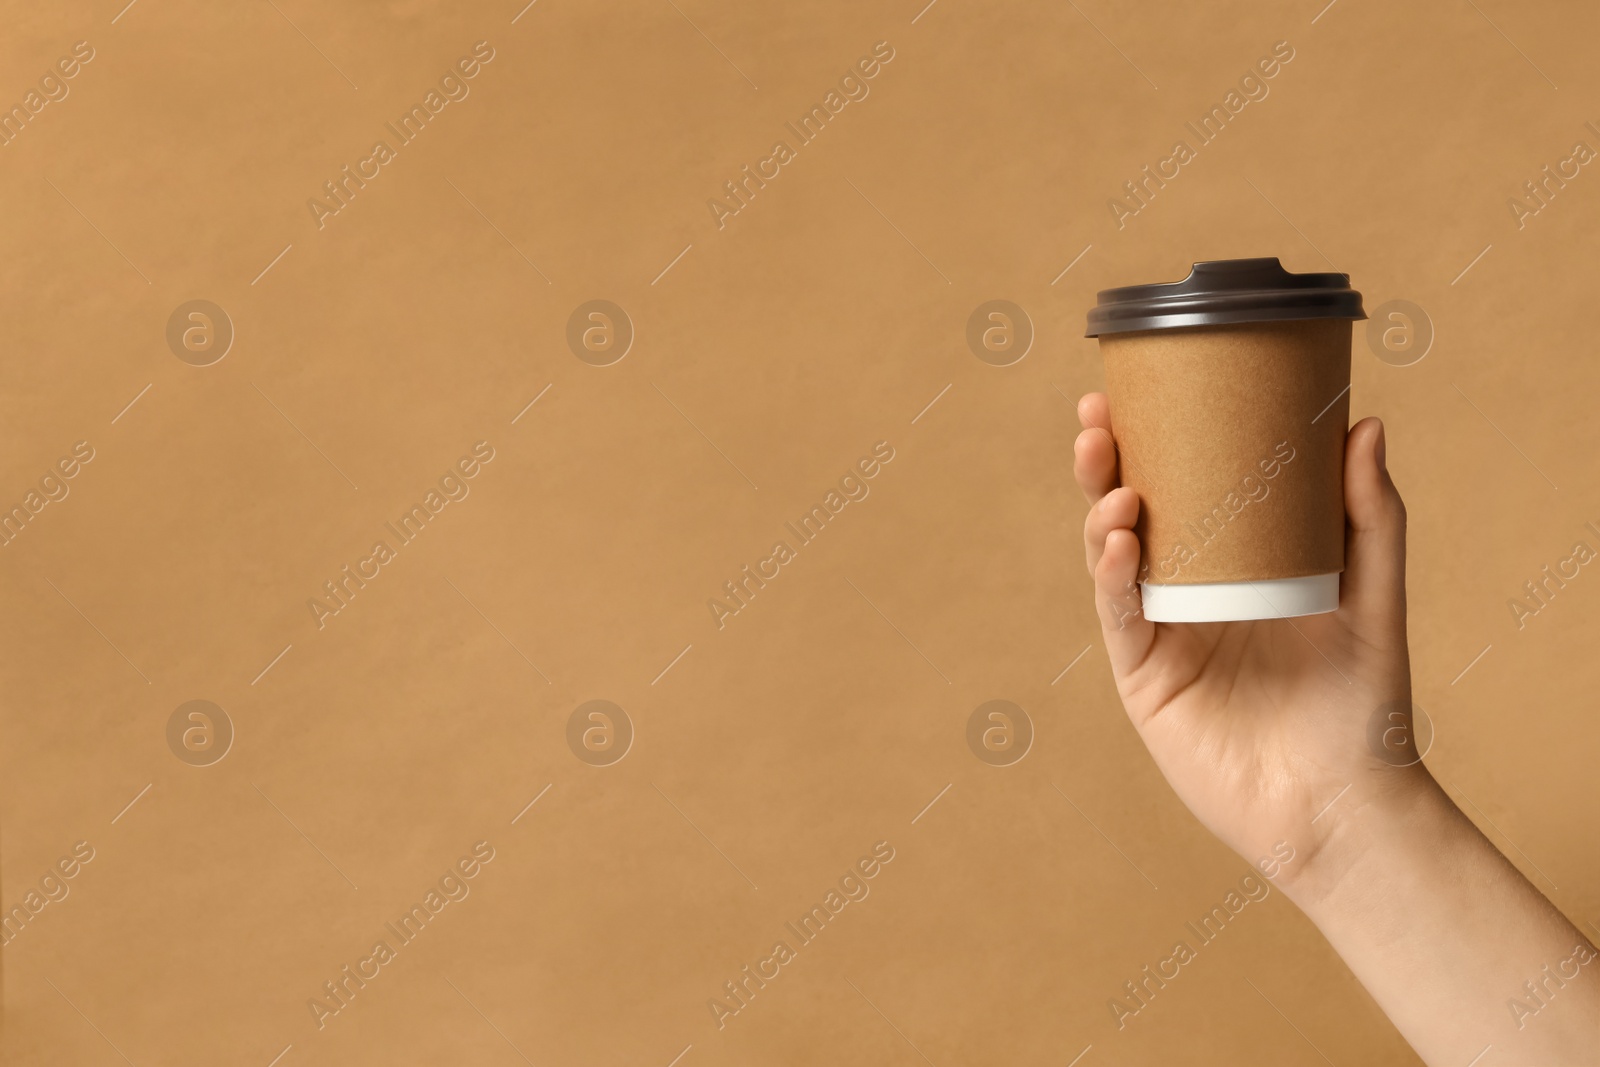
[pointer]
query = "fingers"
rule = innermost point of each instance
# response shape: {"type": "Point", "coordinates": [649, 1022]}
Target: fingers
{"type": "Point", "coordinates": [1095, 466]}
{"type": "Point", "coordinates": [1374, 582]}
{"type": "Point", "coordinates": [1111, 548]}
{"type": "Point", "coordinates": [1127, 632]}
{"type": "Point", "coordinates": [1094, 409]}
{"type": "Point", "coordinates": [1117, 510]}
{"type": "Point", "coordinates": [1094, 452]}
{"type": "Point", "coordinates": [1094, 463]}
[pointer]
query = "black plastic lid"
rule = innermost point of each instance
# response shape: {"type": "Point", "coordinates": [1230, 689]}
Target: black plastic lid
{"type": "Point", "coordinates": [1225, 291]}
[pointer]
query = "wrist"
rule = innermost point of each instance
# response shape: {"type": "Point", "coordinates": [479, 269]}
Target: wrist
{"type": "Point", "coordinates": [1437, 925]}
{"type": "Point", "coordinates": [1392, 813]}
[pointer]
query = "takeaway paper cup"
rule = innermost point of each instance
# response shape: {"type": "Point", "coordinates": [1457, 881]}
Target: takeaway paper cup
{"type": "Point", "coordinates": [1230, 397]}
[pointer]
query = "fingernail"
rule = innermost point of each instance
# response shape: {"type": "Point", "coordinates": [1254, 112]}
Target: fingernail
{"type": "Point", "coordinates": [1382, 449]}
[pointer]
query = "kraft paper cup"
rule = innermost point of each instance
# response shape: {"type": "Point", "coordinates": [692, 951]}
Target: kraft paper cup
{"type": "Point", "coordinates": [1229, 400]}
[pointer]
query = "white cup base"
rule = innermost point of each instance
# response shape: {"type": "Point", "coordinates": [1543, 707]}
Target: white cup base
{"type": "Point", "coordinates": [1278, 598]}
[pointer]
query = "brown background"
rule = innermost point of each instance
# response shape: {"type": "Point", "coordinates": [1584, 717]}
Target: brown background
{"type": "Point", "coordinates": [823, 318]}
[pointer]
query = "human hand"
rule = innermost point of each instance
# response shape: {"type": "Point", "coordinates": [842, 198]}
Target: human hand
{"type": "Point", "coordinates": [1259, 725]}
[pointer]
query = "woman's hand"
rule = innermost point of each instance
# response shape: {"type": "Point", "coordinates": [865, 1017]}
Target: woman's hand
{"type": "Point", "coordinates": [1266, 731]}
{"type": "Point", "coordinates": [1258, 726]}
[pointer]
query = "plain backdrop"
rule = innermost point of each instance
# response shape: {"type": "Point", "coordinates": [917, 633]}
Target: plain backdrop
{"type": "Point", "coordinates": [769, 355]}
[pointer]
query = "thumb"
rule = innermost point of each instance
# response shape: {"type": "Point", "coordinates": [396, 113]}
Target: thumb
{"type": "Point", "coordinates": [1373, 588]}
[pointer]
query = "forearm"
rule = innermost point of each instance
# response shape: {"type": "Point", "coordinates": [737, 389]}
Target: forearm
{"type": "Point", "coordinates": [1443, 931]}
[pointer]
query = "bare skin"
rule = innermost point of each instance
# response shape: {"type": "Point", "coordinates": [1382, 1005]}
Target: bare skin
{"type": "Point", "coordinates": [1259, 726]}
